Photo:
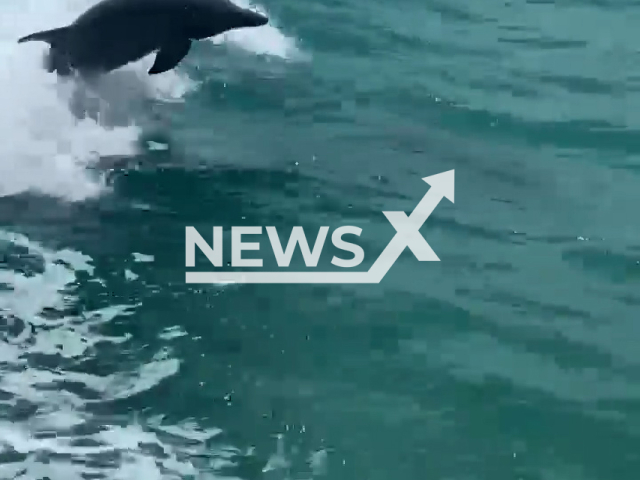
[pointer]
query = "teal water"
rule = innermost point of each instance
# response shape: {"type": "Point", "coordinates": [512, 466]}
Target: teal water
{"type": "Point", "coordinates": [512, 358]}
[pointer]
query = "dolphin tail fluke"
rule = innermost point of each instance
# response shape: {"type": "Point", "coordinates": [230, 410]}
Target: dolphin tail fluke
{"type": "Point", "coordinates": [52, 37]}
{"type": "Point", "coordinates": [56, 59]}
{"type": "Point", "coordinates": [58, 62]}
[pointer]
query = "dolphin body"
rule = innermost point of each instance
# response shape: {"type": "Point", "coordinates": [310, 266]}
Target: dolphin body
{"type": "Point", "coordinates": [114, 33]}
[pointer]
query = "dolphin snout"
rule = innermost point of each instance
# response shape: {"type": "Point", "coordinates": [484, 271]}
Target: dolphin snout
{"type": "Point", "coordinates": [253, 19]}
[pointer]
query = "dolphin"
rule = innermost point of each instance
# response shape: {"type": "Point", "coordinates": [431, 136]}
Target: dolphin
{"type": "Point", "coordinates": [114, 33]}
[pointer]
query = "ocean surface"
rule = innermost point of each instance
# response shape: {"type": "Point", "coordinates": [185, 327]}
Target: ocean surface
{"type": "Point", "coordinates": [515, 357]}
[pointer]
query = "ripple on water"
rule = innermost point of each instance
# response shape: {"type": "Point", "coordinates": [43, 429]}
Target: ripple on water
{"type": "Point", "coordinates": [57, 417]}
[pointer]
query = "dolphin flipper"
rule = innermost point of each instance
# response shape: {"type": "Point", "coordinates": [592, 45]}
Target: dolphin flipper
{"type": "Point", "coordinates": [170, 55]}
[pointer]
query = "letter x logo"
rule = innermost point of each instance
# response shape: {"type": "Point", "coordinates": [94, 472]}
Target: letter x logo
{"type": "Point", "coordinates": [408, 234]}
{"type": "Point", "coordinates": [408, 227]}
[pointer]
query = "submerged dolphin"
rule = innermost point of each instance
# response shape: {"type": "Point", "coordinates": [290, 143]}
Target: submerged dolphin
{"type": "Point", "coordinates": [114, 33]}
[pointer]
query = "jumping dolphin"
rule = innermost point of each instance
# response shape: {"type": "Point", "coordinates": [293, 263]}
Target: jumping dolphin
{"type": "Point", "coordinates": [114, 33]}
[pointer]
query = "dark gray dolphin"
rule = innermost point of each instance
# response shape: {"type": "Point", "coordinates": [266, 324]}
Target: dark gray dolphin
{"type": "Point", "coordinates": [114, 33]}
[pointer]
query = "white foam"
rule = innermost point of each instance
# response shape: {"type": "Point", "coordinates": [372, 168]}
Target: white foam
{"type": "Point", "coordinates": [43, 147]}
{"type": "Point", "coordinates": [265, 40]}
{"type": "Point", "coordinates": [59, 410]}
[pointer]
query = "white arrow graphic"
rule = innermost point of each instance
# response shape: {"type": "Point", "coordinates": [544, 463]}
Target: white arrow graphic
{"type": "Point", "coordinates": [407, 235]}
